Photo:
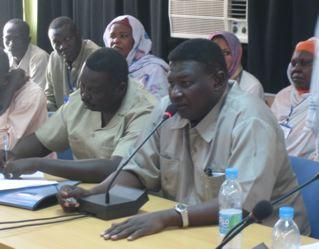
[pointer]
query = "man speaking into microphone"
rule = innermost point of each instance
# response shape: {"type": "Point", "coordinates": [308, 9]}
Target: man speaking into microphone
{"type": "Point", "coordinates": [217, 125]}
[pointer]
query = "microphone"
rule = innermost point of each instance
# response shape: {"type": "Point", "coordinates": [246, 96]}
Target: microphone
{"type": "Point", "coordinates": [247, 221]}
{"type": "Point", "coordinates": [261, 211]}
{"type": "Point", "coordinates": [169, 112]}
{"type": "Point", "coordinates": [121, 201]}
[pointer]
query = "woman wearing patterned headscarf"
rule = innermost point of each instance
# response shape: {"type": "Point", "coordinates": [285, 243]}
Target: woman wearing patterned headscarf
{"type": "Point", "coordinates": [291, 103]}
{"type": "Point", "coordinates": [232, 50]}
{"type": "Point", "coordinates": [128, 36]}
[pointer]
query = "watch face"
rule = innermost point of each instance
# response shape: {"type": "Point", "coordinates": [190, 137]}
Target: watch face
{"type": "Point", "coordinates": [181, 206]}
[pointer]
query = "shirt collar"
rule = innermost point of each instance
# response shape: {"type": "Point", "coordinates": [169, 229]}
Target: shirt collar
{"type": "Point", "coordinates": [77, 62]}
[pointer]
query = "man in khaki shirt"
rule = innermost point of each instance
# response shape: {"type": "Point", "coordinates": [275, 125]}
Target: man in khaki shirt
{"type": "Point", "coordinates": [101, 120]}
{"type": "Point", "coordinates": [66, 61]}
{"type": "Point", "coordinates": [217, 126]}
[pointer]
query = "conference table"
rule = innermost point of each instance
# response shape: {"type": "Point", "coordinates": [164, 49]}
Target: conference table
{"type": "Point", "coordinates": [85, 232]}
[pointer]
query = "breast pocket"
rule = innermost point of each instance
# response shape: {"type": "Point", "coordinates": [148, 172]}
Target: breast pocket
{"type": "Point", "coordinates": [169, 176]}
{"type": "Point", "coordinates": [207, 187]}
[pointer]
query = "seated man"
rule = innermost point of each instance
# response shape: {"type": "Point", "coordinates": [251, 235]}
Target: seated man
{"type": "Point", "coordinates": [66, 61]}
{"type": "Point", "coordinates": [22, 104]}
{"type": "Point", "coordinates": [22, 54]}
{"type": "Point", "coordinates": [217, 126]}
{"type": "Point", "coordinates": [291, 104]}
{"type": "Point", "coordinates": [101, 120]}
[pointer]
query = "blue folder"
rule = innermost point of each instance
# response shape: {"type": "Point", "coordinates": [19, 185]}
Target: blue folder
{"type": "Point", "coordinates": [33, 198]}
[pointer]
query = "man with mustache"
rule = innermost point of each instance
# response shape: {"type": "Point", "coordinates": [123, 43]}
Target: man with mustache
{"type": "Point", "coordinates": [100, 123]}
{"type": "Point", "coordinates": [23, 54]}
{"type": "Point", "coordinates": [65, 63]}
{"type": "Point", "coordinates": [291, 103]}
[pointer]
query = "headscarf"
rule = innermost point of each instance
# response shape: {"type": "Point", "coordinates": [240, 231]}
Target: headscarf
{"type": "Point", "coordinates": [142, 43]}
{"type": "Point", "coordinates": [150, 70]}
{"type": "Point", "coordinates": [307, 46]}
{"type": "Point", "coordinates": [235, 48]}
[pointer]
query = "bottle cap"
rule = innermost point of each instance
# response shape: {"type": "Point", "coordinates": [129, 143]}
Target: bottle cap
{"type": "Point", "coordinates": [231, 173]}
{"type": "Point", "coordinates": [286, 212]}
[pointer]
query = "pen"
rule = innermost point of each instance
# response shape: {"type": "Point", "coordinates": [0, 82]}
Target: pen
{"type": "Point", "coordinates": [5, 141]}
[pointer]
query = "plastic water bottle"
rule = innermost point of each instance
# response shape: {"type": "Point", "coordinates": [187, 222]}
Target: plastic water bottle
{"type": "Point", "coordinates": [285, 234]}
{"type": "Point", "coordinates": [230, 207]}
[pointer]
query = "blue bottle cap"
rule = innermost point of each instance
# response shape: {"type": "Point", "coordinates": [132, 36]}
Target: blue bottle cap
{"type": "Point", "coordinates": [286, 212]}
{"type": "Point", "coordinates": [231, 173]}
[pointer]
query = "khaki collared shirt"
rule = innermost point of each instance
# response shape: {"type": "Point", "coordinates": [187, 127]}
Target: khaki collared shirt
{"type": "Point", "coordinates": [241, 132]}
{"type": "Point", "coordinates": [57, 80]}
{"type": "Point", "coordinates": [76, 126]}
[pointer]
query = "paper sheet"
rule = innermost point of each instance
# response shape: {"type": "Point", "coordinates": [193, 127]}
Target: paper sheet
{"type": "Point", "coordinates": [34, 180]}
{"type": "Point", "coordinates": [311, 246]}
{"type": "Point", "coordinates": [37, 175]}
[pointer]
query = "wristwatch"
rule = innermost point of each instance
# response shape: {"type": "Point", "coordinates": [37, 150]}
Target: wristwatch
{"type": "Point", "coordinates": [181, 208]}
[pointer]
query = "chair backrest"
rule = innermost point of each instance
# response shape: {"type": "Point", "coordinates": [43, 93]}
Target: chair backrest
{"type": "Point", "coordinates": [65, 155]}
{"type": "Point", "coordinates": [305, 170]}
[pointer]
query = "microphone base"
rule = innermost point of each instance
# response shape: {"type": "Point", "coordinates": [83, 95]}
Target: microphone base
{"type": "Point", "coordinates": [123, 202]}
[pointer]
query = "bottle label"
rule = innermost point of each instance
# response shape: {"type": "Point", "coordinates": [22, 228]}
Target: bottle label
{"type": "Point", "coordinates": [228, 218]}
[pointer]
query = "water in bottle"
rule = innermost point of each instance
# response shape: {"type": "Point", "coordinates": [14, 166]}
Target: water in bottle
{"type": "Point", "coordinates": [230, 206]}
{"type": "Point", "coordinates": [285, 234]}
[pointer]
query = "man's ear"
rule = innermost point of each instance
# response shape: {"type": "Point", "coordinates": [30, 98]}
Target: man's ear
{"type": "Point", "coordinates": [5, 79]}
{"type": "Point", "coordinates": [219, 78]}
{"type": "Point", "coordinates": [121, 89]}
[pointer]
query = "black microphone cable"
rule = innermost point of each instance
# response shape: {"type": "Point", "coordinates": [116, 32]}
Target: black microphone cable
{"type": "Point", "coordinates": [72, 217]}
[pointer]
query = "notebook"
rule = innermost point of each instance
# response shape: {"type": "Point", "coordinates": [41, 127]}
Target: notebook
{"type": "Point", "coordinates": [33, 198]}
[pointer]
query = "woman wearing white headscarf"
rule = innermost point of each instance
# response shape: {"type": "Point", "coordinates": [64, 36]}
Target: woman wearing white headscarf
{"type": "Point", "coordinates": [128, 36]}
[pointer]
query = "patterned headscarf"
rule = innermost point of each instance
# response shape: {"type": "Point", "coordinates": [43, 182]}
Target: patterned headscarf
{"type": "Point", "coordinates": [142, 43]}
{"type": "Point", "coordinates": [235, 48]}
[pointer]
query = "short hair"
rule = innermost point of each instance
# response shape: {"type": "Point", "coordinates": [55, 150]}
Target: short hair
{"type": "Point", "coordinates": [4, 62]}
{"type": "Point", "coordinates": [61, 21]}
{"type": "Point", "coordinates": [23, 26]}
{"type": "Point", "coordinates": [201, 50]}
{"type": "Point", "coordinates": [110, 61]}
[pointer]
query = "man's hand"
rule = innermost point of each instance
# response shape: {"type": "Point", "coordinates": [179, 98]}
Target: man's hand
{"type": "Point", "coordinates": [139, 225]}
{"type": "Point", "coordinates": [17, 79]}
{"type": "Point", "coordinates": [68, 197]}
{"type": "Point", "coordinates": [4, 157]}
{"type": "Point", "coordinates": [15, 168]}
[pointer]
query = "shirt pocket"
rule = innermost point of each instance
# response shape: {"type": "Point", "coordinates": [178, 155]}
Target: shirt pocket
{"type": "Point", "coordinates": [170, 176]}
{"type": "Point", "coordinates": [207, 187]}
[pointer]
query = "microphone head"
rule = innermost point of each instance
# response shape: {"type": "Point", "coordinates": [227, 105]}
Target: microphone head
{"type": "Point", "coordinates": [262, 210]}
{"type": "Point", "coordinates": [170, 111]}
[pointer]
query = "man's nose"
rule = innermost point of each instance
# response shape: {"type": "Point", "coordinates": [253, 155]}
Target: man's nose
{"type": "Point", "coordinates": [62, 46]}
{"type": "Point", "coordinates": [176, 91]}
